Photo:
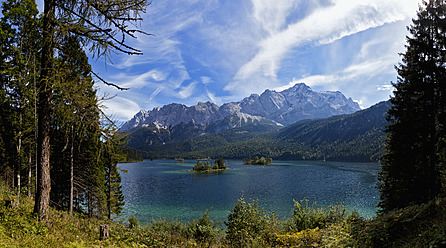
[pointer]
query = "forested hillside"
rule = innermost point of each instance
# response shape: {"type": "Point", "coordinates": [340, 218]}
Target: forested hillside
{"type": "Point", "coordinates": [356, 137]}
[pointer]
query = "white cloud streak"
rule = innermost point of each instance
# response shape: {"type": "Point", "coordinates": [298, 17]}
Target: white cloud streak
{"type": "Point", "coordinates": [121, 108]}
{"type": "Point", "coordinates": [323, 26]}
{"type": "Point", "coordinates": [187, 91]}
{"type": "Point", "coordinates": [246, 44]}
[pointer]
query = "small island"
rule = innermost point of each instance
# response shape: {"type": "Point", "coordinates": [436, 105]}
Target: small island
{"type": "Point", "coordinates": [258, 161]}
{"type": "Point", "coordinates": [219, 165]}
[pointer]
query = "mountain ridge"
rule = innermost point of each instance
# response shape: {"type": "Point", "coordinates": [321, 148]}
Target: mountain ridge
{"type": "Point", "coordinates": [355, 137]}
{"type": "Point", "coordinates": [285, 107]}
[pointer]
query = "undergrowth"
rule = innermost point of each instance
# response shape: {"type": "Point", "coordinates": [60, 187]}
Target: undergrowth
{"type": "Point", "coordinates": [247, 225]}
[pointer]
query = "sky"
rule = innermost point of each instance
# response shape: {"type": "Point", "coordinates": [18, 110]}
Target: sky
{"type": "Point", "coordinates": [226, 50]}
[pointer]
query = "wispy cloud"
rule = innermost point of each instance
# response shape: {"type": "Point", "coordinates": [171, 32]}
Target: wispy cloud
{"type": "Point", "coordinates": [121, 108]}
{"type": "Point", "coordinates": [384, 87]}
{"type": "Point", "coordinates": [187, 91]}
{"type": "Point", "coordinates": [140, 80]}
{"type": "Point", "coordinates": [225, 50]}
{"type": "Point", "coordinates": [206, 80]}
{"type": "Point", "coordinates": [323, 26]}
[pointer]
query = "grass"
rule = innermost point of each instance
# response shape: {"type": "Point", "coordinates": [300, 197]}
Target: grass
{"type": "Point", "coordinates": [309, 225]}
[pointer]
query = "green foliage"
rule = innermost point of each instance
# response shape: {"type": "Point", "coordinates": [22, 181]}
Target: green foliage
{"type": "Point", "coordinates": [310, 216]}
{"type": "Point", "coordinates": [414, 226]}
{"type": "Point", "coordinates": [133, 222]}
{"type": "Point", "coordinates": [220, 164]}
{"type": "Point", "coordinates": [258, 161]}
{"type": "Point", "coordinates": [129, 155]}
{"type": "Point", "coordinates": [304, 238]}
{"type": "Point", "coordinates": [207, 167]}
{"type": "Point", "coordinates": [247, 225]}
{"type": "Point", "coordinates": [19, 44]}
{"type": "Point", "coordinates": [204, 229]}
{"type": "Point", "coordinates": [199, 166]}
{"type": "Point", "coordinates": [113, 188]}
{"type": "Point", "coordinates": [414, 163]}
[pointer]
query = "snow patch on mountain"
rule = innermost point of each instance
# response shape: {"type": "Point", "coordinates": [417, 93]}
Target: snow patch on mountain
{"type": "Point", "coordinates": [284, 108]}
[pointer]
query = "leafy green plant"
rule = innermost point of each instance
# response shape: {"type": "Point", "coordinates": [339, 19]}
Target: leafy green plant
{"type": "Point", "coordinates": [133, 222]}
{"type": "Point", "coordinates": [246, 223]}
{"type": "Point", "coordinates": [205, 229]}
{"type": "Point", "coordinates": [310, 216]}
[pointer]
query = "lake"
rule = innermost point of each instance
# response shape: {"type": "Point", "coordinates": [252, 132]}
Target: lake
{"type": "Point", "coordinates": [165, 189]}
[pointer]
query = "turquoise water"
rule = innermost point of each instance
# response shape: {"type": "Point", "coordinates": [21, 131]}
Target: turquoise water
{"type": "Point", "coordinates": [165, 189]}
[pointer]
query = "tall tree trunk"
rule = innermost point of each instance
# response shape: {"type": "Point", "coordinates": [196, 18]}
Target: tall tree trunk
{"type": "Point", "coordinates": [30, 161]}
{"type": "Point", "coordinates": [42, 200]}
{"type": "Point", "coordinates": [90, 204]}
{"type": "Point", "coordinates": [70, 208]}
{"type": "Point", "coordinates": [19, 148]}
{"type": "Point", "coordinates": [35, 130]}
{"type": "Point", "coordinates": [19, 142]}
{"type": "Point", "coordinates": [18, 191]}
{"type": "Point", "coordinates": [109, 194]}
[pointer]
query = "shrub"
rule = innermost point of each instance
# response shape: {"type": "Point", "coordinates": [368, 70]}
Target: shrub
{"type": "Point", "coordinates": [204, 229]}
{"type": "Point", "coordinates": [304, 238]}
{"type": "Point", "coordinates": [133, 222]}
{"type": "Point", "coordinates": [423, 225]}
{"type": "Point", "coordinates": [306, 216]}
{"type": "Point", "coordinates": [246, 223]}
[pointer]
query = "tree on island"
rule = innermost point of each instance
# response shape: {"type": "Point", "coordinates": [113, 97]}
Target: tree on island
{"type": "Point", "coordinates": [414, 165]}
{"type": "Point", "coordinates": [219, 164]}
{"type": "Point", "coordinates": [258, 161]}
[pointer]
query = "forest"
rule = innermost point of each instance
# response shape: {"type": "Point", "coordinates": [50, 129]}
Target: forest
{"type": "Point", "coordinates": [59, 152]}
{"type": "Point", "coordinates": [56, 144]}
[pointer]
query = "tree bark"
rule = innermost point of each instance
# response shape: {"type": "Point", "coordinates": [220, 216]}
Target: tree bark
{"type": "Point", "coordinates": [42, 200]}
{"type": "Point", "coordinates": [29, 173]}
{"type": "Point", "coordinates": [70, 207]}
{"type": "Point", "coordinates": [104, 232]}
{"type": "Point", "coordinates": [109, 194]}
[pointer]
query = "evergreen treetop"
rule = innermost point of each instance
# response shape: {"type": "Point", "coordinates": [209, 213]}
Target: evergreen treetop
{"type": "Point", "coordinates": [414, 162]}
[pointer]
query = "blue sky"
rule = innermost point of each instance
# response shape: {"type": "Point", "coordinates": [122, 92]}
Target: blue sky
{"type": "Point", "coordinates": [223, 50]}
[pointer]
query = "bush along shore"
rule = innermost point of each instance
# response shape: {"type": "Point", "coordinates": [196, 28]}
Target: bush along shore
{"type": "Point", "coordinates": [247, 225]}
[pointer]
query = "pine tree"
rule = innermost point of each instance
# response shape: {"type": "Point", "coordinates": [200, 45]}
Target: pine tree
{"type": "Point", "coordinates": [113, 188]}
{"type": "Point", "coordinates": [19, 45]}
{"type": "Point", "coordinates": [76, 121]}
{"type": "Point", "coordinates": [104, 27]}
{"type": "Point", "coordinates": [412, 166]}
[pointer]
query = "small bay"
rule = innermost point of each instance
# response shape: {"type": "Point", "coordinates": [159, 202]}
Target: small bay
{"type": "Point", "coordinates": [166, 189]}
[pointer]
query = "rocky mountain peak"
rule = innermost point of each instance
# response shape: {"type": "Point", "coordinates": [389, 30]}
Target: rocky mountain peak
{"type": "Point", "coordinates": [286, 107]}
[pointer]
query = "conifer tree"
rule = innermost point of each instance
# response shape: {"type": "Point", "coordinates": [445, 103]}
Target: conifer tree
{"type": "Point", "coordinates": [104, 27]}
{"type": "Point", "coordinates": [76, 121]}
{"type": "Point", "coordinates": [113, 188]}
{"type": "Point", "coordinates": [19, 45]}
{"type": "Point", "coordinates": [414, 162]}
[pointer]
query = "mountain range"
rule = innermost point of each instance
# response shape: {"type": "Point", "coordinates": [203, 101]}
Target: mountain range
{"type": "Point", "coordinates": [262, 125]}
{"type": "Point", "coordinates": [354, 137]}
{"type": "Point", "coordinates": [282, 108]}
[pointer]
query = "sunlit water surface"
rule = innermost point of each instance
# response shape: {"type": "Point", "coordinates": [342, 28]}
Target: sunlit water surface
{"type": "Point", "coordinates": [166, 189]}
